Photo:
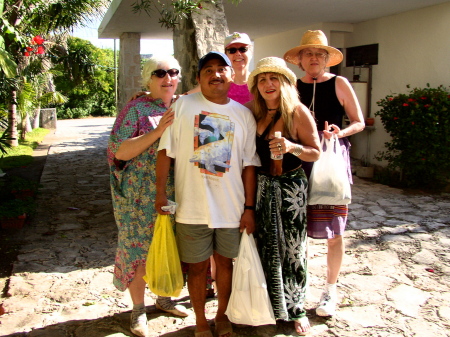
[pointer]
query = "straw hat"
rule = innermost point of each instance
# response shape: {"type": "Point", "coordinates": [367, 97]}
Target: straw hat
{"type": "Point", "coordinates": [272, 65]}
{"type": "Point", "coordinates": [314, 39]}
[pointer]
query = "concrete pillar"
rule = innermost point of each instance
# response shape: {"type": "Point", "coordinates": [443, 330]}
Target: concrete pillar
{"type": "Point", "coordinates": [129, 67]}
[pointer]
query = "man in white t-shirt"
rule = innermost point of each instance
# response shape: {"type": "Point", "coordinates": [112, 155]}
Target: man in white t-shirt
{"type": "Point", "coordinates": [212, 141]}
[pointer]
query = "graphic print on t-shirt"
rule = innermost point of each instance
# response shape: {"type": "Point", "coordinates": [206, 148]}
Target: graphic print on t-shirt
{"type": "Point", "coordinates": [213, 139]}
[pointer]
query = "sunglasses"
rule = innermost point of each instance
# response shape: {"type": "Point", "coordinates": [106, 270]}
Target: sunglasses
{"type": "Point", "coordinates": [242, 50]}
{"type": "Point", "coordinates": [161, 73]}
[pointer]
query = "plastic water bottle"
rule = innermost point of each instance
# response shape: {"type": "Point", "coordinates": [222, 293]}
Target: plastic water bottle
{"type": "Point", "coordinates": [276, 164]}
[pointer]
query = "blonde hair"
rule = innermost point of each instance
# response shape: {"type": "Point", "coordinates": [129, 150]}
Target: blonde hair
{"type": "Point", "coordinates": [289, 101]}
{"type": "Point", "coordinates": [154, 63]}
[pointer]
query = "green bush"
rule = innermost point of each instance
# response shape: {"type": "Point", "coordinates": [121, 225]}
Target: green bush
{"type": "Point", "coordinates": [419, 124]}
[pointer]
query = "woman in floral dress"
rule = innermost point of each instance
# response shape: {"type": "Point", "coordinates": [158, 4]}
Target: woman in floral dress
{"type": "Point", "coordinates": [132, 151]}
{"type": "Point", "coordinates": [282, 193]}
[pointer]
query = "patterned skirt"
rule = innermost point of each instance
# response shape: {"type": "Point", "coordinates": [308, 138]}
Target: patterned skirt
{"type": "Point", "coordinates": [282, 240]}
{"type": "Point", "coordinates": [326, 221]}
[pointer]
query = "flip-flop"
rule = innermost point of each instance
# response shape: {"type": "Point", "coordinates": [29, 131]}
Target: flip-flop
{"type": "Point", "coordinates": [302, 323]}
{"type": "Point", "coordinates": [206, 333]}
{"type": "Point", "coordinates": [223, 328]}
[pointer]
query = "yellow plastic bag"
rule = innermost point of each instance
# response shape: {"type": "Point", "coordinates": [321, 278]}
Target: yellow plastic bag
{"type": "Point", "coordinates": [163, 269]}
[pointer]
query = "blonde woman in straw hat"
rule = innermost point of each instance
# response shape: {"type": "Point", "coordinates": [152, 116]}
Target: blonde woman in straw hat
{"type": "Point", "coordinates": [329, 97]}
{"type": "Point", "coordinates": [281, 196]}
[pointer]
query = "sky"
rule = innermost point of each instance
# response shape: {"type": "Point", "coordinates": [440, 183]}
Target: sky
{"type": "Point", "coordinates": [90, 33]}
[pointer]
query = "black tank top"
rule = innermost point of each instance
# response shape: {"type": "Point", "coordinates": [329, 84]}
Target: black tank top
{"type": "Point", "coordinates": [290, 162]}
{"type": "Point", "coordinates": [326, 105]}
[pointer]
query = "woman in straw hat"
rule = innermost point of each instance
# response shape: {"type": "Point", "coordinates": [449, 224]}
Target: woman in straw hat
{"type": "Point", "coordinates": [281, 196]}
{"type": "Point", "coordinates": [329, 97]}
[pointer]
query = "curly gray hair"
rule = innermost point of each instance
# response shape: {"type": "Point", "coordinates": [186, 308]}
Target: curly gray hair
{"type": "Point", "coordinates": [154, 63]}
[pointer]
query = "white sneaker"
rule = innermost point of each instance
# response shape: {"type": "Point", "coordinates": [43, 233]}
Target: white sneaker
{"type": "Point", "coordinates": [327, 305]}
{"type": "Point", "coordinates": [166, 304]}
{"type": "Point", "coordinates": [139, 323]}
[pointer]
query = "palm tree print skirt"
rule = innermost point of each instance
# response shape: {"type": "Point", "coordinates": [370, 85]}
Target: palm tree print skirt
{"type": "Point", "coordinates": [282, 240]}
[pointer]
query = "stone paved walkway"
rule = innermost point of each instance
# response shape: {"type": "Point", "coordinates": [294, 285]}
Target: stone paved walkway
{"type": "Point", "coordinates": [395, 280]}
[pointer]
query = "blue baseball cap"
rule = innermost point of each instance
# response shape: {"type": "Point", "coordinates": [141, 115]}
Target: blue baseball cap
{"type": "Point", "coordinates": [213, 55]}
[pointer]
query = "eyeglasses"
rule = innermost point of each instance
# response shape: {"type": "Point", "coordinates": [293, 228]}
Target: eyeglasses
{"type": "Point", "coordinates": [161, 73]}
{"type": "Point", "coordinates": [242, 50]}
{"type": "Point", "coordinates": [318, 55]}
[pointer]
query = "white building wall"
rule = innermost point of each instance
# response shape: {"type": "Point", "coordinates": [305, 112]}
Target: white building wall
{"type": "Point", "coordinates": [414, 49]}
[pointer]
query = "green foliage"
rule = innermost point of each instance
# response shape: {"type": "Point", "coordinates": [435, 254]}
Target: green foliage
{"type": "Point", "coordinates": [4, 135]}
{"type": "Point", "coordinates": [419, 124]}
{"type": "Point", "coordinates": [21, 184]}
{"type": "Point", "coordinates": [16, 207]}
{"type": "Point", "coordinates": [170, 13]}
{"type": "Point", "coordinates": [92, 70]}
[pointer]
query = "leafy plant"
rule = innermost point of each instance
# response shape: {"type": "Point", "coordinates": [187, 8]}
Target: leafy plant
{"type": "Point", "coordinates": [16, 207]}
{"type": "Point", "coordinates": [19, 183]}
{"type": "Point", "coordinates": [4, 137]}
{"type": "Point", "coordinates": [418, 123]}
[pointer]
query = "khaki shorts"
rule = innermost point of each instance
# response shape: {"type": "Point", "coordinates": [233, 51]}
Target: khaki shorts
{"type": "Point", "coordinates": [196, 243]}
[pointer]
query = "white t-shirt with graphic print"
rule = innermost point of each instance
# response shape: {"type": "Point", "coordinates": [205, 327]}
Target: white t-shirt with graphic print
{"type": "Point", "coordinates": [211, 144]}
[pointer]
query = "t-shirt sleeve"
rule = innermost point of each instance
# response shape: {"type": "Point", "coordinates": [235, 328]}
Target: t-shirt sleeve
{"type": "Point", "coordinates": [168, 139]}
{"type": "Point", "coordinates": [250, 157]}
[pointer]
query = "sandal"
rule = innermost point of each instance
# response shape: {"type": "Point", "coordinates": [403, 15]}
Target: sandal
{"type": "Point", "coordinates": [223, 328]}
{"type": "Point", "coordinates": [302, 326]}
{"type": "Point", "coordinates": [206, 333]}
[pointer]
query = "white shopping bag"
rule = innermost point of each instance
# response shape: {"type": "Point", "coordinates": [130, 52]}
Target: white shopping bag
{"type": "Point", "coordinates": [328, 183]}
{"type": "Point", "coordinates": [249, 301]}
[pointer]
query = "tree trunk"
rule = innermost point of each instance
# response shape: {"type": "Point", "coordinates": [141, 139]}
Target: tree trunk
{"type": "Point", "coordinates": [12, 120]}
{"type": "Point", "coordinates": [27, 124]}
{"type": "Point", "coordinates": [197, 35]}
{"type": "Point", "coordinates": [37, 116]}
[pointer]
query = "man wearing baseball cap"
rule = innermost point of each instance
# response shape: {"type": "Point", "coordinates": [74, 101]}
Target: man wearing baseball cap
{"type": "Point", "coordinates": [212, 143]}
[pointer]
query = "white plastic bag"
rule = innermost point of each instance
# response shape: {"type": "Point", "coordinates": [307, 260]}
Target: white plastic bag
{"type": "Point", "coordinates": [328, 183]}
{"type": "Point", "coordinates": [249, 301]}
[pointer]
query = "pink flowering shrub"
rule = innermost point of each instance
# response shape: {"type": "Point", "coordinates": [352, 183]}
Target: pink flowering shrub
{"type": "Point", "coordinates": [419, 124]}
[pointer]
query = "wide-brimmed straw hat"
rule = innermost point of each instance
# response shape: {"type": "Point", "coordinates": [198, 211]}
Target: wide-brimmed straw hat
{"type": "Point", "coordinates": [272, 65]}
{"type": "Point", "coordinates": [314, 39]}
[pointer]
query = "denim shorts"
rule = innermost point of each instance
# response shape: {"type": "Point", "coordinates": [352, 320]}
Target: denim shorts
{"type": "Point", "coordinates": [196, 243]}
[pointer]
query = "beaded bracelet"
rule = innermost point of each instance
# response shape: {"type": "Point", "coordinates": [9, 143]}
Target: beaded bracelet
{"type": "Point", "coordinates": [298, 149]}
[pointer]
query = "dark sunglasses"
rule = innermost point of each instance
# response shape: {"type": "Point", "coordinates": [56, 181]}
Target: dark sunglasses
{"type": "Point", "coordinates": [161, 73]}
{"type": "Point", "coordinates": [242, 50]}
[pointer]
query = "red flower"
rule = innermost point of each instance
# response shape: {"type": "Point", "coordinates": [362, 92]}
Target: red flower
{"type": "Point", "coordinates": [395, 118]}
{"type": "Point", "coordinates": [411, 100]}
{"type": "Point", "coordinates": [390, 98]}
{"type": "Point", "coordinates": [29, 48]}
{"type": "Point", "coordinates": [40, 50]}
{"type": "Point", "coordinates": [426, 105]}
{"type": "Point", "coordinates": [423, 158]}
{"type": "Point", "coordinates": [412, 123]}
{"type": "Point", "coordinates": [26, 54]}
{"type": "Point", "coordinates": [38, 39]}
{"type": "Point", "coordinates": [405, 104]}
{"type": "Point", "coordinates": [423, 97]}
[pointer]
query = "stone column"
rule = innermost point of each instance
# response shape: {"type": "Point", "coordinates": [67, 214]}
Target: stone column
{"type": "Point", "coordinates": [129, 67]}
